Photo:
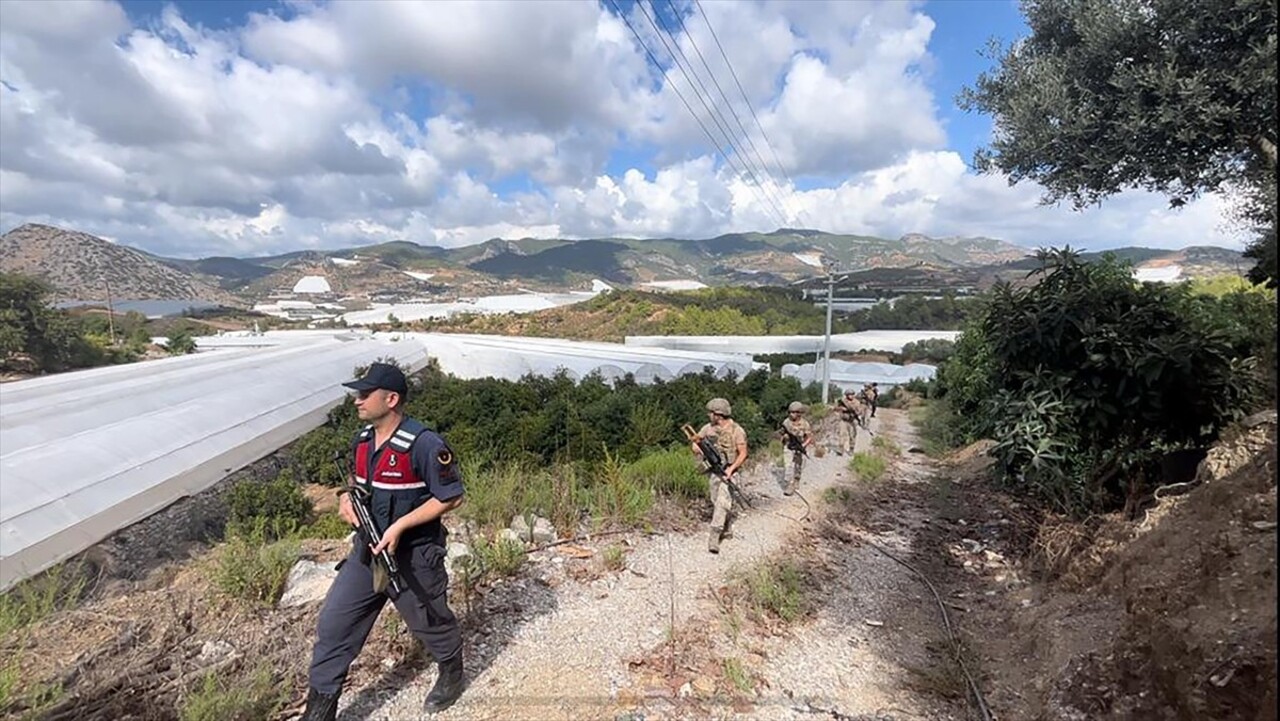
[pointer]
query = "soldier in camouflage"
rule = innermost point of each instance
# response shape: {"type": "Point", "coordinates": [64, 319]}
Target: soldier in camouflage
{"type": "Point", "coordinates": [870, 393]}
{"type": "Point", "coordinates": [852, 413]}
{"type": "Point", "coordinates": [731, 441]}
{"type": "Point", "coordinates": [797, 438]}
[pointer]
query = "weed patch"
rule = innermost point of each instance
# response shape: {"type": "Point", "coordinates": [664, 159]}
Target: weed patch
{"type": "Point", "coordinates": [614, 557]}
{"type": "Point", "coordinates": [885, 446]}
{"type": "Point", "coordinates": [776, 588]}
{"type": "Point", "coordinates": [251, 568]}
{"type": "Point", "coordinates": [33, 599]}
{"type": "Point", "coordinates": [219, 698]}
{"type": "Point", "coordinates": [500, 557]}
{"type": "Point", "coordinates": [867, 467]}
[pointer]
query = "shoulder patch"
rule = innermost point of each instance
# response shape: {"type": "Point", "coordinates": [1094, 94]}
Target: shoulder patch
{"type": "Point", "coordinates": [446, 465]}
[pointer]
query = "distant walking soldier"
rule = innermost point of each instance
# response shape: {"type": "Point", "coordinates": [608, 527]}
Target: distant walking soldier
{"type": "Point", "coordinates": [871, 393]}
{"type": "Point", "coordinates": [853, 413]}
{"type": "Point", "coordinates": [730, 441]}
{"type": "Point", "coordinates": [410, 479]}
{"type": "Point", "coordinates": [797, 436]}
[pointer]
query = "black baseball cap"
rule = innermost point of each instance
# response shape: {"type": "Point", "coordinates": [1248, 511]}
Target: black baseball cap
{"type": "Point", "coordinates": [381, 376]}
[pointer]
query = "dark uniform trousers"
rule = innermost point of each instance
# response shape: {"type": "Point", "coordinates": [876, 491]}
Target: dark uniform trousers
{"type": "Point", "coordinates": [352, 607]}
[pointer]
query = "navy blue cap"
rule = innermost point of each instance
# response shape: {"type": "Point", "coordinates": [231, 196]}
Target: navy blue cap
{"type": "Point", "coordinates": [381, 375]}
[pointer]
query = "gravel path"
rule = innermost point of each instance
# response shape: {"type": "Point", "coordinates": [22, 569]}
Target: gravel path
{"type": "Point", "coordinates": [561, 650]}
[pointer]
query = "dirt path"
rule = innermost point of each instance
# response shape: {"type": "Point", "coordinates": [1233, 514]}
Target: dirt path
{"type": "Point", "coordinates": [571, 651]}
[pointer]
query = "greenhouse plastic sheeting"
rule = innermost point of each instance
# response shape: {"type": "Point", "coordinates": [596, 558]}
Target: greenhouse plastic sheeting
{"type": "Point", "coordinates": [84, 454]}
{"type": "Point", "coordinates": [880, 340]}
{"type": "Point", "coordinates": [853, 376]}
{"type": "Point", "coordinates": [481, 356]}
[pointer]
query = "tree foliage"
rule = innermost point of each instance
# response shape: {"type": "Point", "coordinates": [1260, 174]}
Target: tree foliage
{"type": "Point", "coordinates": [556, 420]}
{"type": "Point", "coordinates": [35, 337]}
{"type": "Point", "coordinates": [1172, 96]}
{"type": "Point", "coordinates": [1087, 378]}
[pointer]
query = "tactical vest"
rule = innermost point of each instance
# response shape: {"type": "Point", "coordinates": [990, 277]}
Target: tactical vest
{"type": "Point", "coordinates": [724, 441]}
{"type": "Point", "coordinates": [394, 486]}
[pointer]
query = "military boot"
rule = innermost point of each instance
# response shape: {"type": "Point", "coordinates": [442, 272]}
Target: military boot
{"type": "Point", "coordinates": [448, 686]}
{"type": "Point", "coordinates": [321, 706]}
{"type": "Point", "coordinates": [713, 540]}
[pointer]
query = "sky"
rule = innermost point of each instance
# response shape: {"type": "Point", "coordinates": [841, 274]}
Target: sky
{"type": "Point", "coordinates": [246, 128]}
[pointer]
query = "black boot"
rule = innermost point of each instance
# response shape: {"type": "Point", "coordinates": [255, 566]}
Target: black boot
{"type": "Point", "coordinates": [448, 687]}
{"type": "Point", "coordinates": [321, 706]}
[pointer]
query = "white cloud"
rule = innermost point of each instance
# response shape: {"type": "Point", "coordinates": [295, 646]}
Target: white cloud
{"type": "Point", "coordinates": [335, 124]}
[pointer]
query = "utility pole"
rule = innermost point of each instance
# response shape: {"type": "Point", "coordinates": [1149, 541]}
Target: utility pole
{"type": "Point", "coordinates": [111, 314]}
{"type": "Point", "coordinates": [826, 343]}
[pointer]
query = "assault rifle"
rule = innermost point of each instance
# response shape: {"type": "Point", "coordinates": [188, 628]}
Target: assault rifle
{"type": "Point", "coordinates": [386, 572]}
{"type": "Point", "coordinates": [715, 462]}
{"type": "Point", "coordinates": [794, 442]}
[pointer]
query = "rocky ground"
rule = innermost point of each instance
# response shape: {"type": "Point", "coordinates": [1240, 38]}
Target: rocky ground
{"type": "Point", "coordinates": [1169, 617]}
{"type": "Point", "coordinates": [662, 638]}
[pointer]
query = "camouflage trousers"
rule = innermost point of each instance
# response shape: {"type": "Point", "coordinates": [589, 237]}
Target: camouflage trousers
{"type": "Point", "coordinates": [848, 431]}
{"type": "Point", "coordinates": [792, 464]}
{"type": "Point", "coordinates": [721, 501]}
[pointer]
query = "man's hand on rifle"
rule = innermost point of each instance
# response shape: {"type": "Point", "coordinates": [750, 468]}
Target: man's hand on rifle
{"type": "Point", "coordinates": [345, 511]}
{"type": "Point", "coordinates": [390, 539]}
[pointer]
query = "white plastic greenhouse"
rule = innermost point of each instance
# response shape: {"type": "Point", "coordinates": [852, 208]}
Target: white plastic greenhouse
{"type": "Point", "coordinates": [879, 340]}
{"type": "Point", "coordinates": [853, 376]}
{"type": "Point", "coordinates": [84, 454]}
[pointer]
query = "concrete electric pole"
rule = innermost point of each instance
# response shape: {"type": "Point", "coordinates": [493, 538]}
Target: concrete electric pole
{"type": "Point", "coordinates": [826, 343]}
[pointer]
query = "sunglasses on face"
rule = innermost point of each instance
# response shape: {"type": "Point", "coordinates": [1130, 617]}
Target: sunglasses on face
{"type": "Point", "coordinates": [363, 395]}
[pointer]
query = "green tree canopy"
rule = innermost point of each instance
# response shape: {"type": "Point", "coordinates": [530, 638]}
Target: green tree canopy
{"type": "Point", "coordinates": [1172, 96]}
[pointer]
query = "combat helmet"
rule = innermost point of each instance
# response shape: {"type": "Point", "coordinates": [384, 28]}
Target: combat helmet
{"type": "Point", "coordinates": [720, 406]}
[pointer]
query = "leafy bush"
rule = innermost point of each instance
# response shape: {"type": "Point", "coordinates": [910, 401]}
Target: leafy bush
{"type": "Point", "coordinates": [543, 422]}
{"type": "Point", "coordinates": [1087, 378]}
{"type": "Point", "coordinates": [278, 506]}
{"type": "Point", "coordinates": [929, 350]}
{"type": "Point", "coordinates": [672, 473]}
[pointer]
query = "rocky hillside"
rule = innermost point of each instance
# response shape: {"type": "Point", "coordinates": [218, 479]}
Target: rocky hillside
{"type": "Point", "coordinates": [77, 264]}
{"type": "Point", "coordinates": [81, 266]}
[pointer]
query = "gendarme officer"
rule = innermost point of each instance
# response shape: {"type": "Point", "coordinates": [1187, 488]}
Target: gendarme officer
{"type": "Point", "coordinates": [413, 480]}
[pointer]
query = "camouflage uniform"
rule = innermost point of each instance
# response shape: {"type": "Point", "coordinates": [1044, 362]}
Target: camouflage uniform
{"type": "Point", "coordinates": [800, 428]}
{"type": "Point", "coordinates": [726, 438]}
{"type": "Point", "coordinates": [852, 414]}
{"type": "Point", "coordinates": [870, 393]}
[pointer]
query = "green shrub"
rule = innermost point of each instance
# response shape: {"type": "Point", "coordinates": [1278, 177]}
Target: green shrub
{"type": "Point", "coordinates": [278, 507]}
{"type": "Point", "coordinates": [497, 558]}
{"type": "Point", "coordinates": [1086, 378]}
{"type": "Point", "coordinates": [329, 525]}
{"type": "Point", "coordinates": [672, 473]}
{"type": "Point", "coordinates": [249, 567]}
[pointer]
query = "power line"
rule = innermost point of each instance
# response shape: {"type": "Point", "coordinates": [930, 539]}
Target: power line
{"type": "Point", "coordinates": [686, 68]}
{"type": "Point", "coordinates": [729, 159]}
{"type": "Point", "coordinates": [777, 196]}
{"type": "Point", "coordinates": [666, 77]}
{"type": "Point", "coordinates": [732, 72]}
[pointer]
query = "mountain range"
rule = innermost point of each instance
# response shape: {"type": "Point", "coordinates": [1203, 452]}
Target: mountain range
{"type": "Point", "coordinates": [83, 267]}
